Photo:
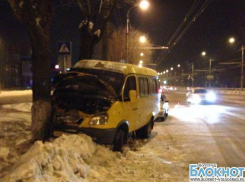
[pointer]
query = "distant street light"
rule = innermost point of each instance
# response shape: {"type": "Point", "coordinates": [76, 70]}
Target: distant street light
{"type": "Point", "coordinates": [232, 40]}
{"type": "Point", "coordinates": [178, 65]}
{"type": "Point", "coordinates": [142, 54]}
{"type": "Point", "coordinates": [142, 39]}
{"type": "Point", "coordinates": [172, 69]}
{"type": "Point", "coordinates": [203, 53]}
{"type": "Point", "coordinates": [141, 62]}
{"type": "Point", "coordinates": [166, 71]}
{"type": "Point", "coordinates": [144, 4]}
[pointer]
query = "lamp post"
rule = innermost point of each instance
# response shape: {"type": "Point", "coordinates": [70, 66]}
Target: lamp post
{"type": "Point", "coordinates": [232, 40]}
{"type": "Point", "coordinates": [144, 6]}
{"type": "Point", "coordinates": [209, 77]}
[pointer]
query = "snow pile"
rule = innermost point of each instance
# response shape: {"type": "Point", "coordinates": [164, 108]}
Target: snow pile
{"type": "Point", "coordinates": [78, 158]}
{"type": "Point", "coordinates": [15, 93]}
{"type": "Point", "coordinates": [14, 134]}
{"type": "Point", "coordinates": [67, 159]}
{"type": "Point", "coordinates": [24, 107]}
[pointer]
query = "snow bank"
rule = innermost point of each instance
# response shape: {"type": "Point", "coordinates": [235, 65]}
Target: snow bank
{"type": "Point", "coordinates": [15, 93]}
{"type": "Point", "coordinates": [66, 159]}
{"type": "Point", "coordinates": [24, 107]}
{"type": "Point", "coordinates": [77, 158]}
{"type": "Point", "coordinates": [14, 133]}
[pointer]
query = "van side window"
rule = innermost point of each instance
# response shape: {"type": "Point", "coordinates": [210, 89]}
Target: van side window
{"type": "Point", "coordinates": [153, 86]}
{"type": "Point", "coordinates": [130, 85]}
{"type": "Point", "coordinates": [144, 88]}
{"type": "Point", "coordinates": [146, 85]}
{"type": "Point", "coordinates": [158, 85]}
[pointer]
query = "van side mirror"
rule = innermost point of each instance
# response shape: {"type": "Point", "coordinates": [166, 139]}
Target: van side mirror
{"type": "Point", "coordinates": [132, 96]}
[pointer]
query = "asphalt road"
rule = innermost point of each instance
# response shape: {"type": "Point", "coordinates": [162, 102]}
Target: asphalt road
{"type": "Point", "coordinates": [212, 133]}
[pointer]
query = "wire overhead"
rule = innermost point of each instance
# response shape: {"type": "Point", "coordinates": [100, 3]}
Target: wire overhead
{"type": "Point", "coordinates": [183, 21]}
{"type": "Point", "coordinates": [175, 39]}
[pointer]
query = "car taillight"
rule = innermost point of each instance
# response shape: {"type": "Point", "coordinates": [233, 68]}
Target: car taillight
{"type": "Point", "coordinates": [160, 91]}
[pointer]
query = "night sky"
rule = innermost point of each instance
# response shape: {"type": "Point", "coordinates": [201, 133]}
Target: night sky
{"type": "Point", "coordinates": [210, 32]}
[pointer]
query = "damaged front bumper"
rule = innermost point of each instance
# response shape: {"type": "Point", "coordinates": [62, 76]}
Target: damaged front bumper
{"type": "Point", "coordinates": [100, 136]}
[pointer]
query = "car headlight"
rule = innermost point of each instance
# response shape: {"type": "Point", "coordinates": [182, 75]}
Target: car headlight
{"type": "Point", "coordinates": [99, 120]}
{"type": "Point", "coordinates": [211, 97]}
{"type": "Point", "coordinates": [196, 99]}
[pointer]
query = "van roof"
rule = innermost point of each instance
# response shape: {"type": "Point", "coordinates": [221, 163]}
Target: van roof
{"type": "Point", "coordinates": [115, 66]}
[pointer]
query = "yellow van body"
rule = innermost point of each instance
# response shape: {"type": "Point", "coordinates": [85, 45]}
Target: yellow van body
{"type": "Point", "coordinates": [123, 113]}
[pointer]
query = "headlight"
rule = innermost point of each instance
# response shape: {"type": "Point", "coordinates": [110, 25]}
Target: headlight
{"type": "Point", "coordinates": [211, 97]}
{"type": "Point", "coordinates": [196, 99]}
{"type": "Point", "coordinates": [99, 120]}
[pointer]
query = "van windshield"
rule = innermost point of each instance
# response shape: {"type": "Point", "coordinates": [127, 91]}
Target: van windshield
{"type": "Point", "coordinates": [114, 79]}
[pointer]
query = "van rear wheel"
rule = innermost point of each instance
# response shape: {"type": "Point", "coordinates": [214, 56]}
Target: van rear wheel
{"type": "Point", "coordinates": [119, 140]}
{"type": "Point", "coordinates": [165, 116]}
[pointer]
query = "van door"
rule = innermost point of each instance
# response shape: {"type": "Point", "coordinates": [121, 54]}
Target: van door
{"type": "Point", "coordinates": [130, 110]}
{"type": "Point", "coordinates": [145, 110]}
{"type": "Point", "coordinates": [154, 96]}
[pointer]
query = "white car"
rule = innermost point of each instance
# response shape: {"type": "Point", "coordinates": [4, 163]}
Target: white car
{"type": "Point", "coordinates": [197, 96]}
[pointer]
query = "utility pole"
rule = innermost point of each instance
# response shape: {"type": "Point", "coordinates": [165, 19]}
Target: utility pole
{"type": "Point", "coordinates": [210, 70]}
{"type": "Point", "coordinates": [182, 77]}
{"type": "Point", "coordinates": [192, 76]}
{"type": "Point", "coordinates": [242, 69]}
{"type": "Point", "coordinates": [242, 66]}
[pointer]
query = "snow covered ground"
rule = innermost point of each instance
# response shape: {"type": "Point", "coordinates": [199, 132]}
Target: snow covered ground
{"type": "Point", "coordinates": [15, 93]}
{"type": "Point", "coordinates": [77, 157]}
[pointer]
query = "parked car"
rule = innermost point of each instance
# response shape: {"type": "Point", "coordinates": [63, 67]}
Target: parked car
{"type": "Point", "coordinates": [200, 95]}
{"type": "Point", "coordinates": [107, 101]}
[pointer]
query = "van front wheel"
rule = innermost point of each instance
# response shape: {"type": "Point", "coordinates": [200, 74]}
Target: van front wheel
{"type": "Point", "coordinates": [119, 140]}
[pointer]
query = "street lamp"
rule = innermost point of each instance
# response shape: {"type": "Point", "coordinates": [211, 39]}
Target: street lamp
{"type": "Point", "coordinates": [232, 40]}
{"type": "Point", "coordinates": [178, 65]}
{"type": "Point", "coordinates": [209, 77]}
{"type": "Point", "coordinates": [142, 54]}
{"type": "Point", "coordinates": [172, 69]}
{"type": "Point", "coordinates": [143, 5]}
{"type": "Point", "coordinates": [142, 39]}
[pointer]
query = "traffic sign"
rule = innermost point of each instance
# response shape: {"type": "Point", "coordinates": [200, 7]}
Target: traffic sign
{"type": "Point", "coordinates": [64, 48]}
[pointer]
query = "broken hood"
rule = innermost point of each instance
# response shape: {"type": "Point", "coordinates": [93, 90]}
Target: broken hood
{"type": "Point", "coordinates": [83, 92]}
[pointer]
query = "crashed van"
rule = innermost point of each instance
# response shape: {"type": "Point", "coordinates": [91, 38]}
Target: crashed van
{"type": "Point", "coordinates": [107, 101]}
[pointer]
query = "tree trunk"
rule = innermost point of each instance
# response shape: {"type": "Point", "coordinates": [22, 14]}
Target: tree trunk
{"type": "Point", "coordinates": [41, 109]}
{"type": "Point", "coordinates": [37, 16]}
